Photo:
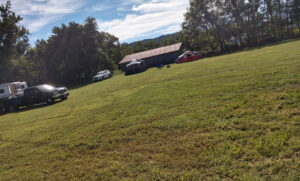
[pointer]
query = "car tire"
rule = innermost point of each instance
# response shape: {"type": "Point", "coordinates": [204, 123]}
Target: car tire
{"type": "Point", "coordinates": [50, 101]}
{"type": "Point", "coordinates": [11, 108]}
{"type": "Point", "coordinates": [64, 98]}
{"type": "Point", "coordinates": [30, 106]}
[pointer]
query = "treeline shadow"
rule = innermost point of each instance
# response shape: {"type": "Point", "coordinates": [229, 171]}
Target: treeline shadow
{"type": "Point", "coordinates": [237, 49]}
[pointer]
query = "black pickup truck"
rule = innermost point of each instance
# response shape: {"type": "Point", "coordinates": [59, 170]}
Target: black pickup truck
{"type": "Point", "coordinates": [35, 95]}
{"type": "Point", "coordinates": [43, 94]}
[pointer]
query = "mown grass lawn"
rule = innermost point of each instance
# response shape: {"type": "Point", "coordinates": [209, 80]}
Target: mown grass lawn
{"type": "Point", "coordinates": [232, 117]}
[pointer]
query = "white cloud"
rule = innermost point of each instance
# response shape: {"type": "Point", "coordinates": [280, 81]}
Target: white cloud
{"type": "Point", "coordinates": [46, 7]}
{"type": "Point", "coordinates": [38, 13]}
{"type": "Point", "coordinates": [127, 2]}
{"type": "Point", "coordinates": [167, 30]}
{"type": "Point", "coordinates": [143, 18]}
{"type": "Point", "coordinates": [100, 7]}
{"type": "Point", "coordinates": [161, 5]}
{"type": "Point", "coordinates": [38, 23]}
{"type": "Point", "coordinates": [156, 16]}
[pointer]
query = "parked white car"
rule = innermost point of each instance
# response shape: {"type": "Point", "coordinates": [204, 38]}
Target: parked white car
{"type": "Point", "coordinates": [105, 74]}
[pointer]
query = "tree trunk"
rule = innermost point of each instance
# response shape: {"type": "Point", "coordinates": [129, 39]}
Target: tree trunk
{"type": "Point", "coordinates": [212, 47]}
{"type": "Point", "coordinates": [280, 24]}
{"type": "Point", "coordinates": [210, 41]}
{"type": "Point", "coordinates": [287, 18]}
{"type": "Point", "coordinates": [254, 30]}
{"type": "Point", "coordinates": [298, 24]}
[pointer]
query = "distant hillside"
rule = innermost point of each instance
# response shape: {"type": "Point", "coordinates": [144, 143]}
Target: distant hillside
{"type": "Point", "coordinates": [158, 39]}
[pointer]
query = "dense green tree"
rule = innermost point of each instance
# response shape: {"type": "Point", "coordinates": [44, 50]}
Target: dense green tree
{"type": "Point", "coordinates": [244, 22]}
{"type": "Point", "coordinates": [175, 38]}
{"type": "Point", "coordinates": [74, 53]}
{"type": "Point", "coordinates": [13, 40]}
{"type": "Point", "coordinates": [111, 46]}
{"type": "Point", "coordinates": [125, 49]}
{"type": "Point", "coordinates": [295, 12]}
{"type": "Point", "coordinates": [138, 47]}
{"type": "Point", "coordinates": [151, 45]}
{"type": "Point", "coordinates": [32, 67]}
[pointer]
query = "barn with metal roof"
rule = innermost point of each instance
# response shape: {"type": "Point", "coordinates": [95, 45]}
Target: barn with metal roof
{"type": "Point", "coordinates": [163, 55]}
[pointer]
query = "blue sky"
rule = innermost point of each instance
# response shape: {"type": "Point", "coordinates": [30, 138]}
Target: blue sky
{"type": "Point", "coordinates": [129, 20]}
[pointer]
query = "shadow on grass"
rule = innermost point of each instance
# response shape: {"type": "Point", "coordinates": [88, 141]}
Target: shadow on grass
{"type": "Point", "coordinates": [84, 84]}
{"type": "Point", "coordinates": [246, 49]}
{"type": "Point", "coordinates": [271, 44]}
{"type": "Point", "coordinates": [25, 108]}
{"type": "Point", "coordinates": [87, 83]}
{"type": "Point", "coordinates": [74, 87]}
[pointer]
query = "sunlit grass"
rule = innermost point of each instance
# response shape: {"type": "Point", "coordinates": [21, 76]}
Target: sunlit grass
{"type": "Point", "coordinates": [233, 117]}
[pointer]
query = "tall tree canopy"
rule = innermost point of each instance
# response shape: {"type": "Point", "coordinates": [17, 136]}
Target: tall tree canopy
{"type": "Point", "coordinates": [13, 39]}
{"type": "Point", "coordinates": [74, 53]}
{"type": "Point", "coordinates": [220, 25]}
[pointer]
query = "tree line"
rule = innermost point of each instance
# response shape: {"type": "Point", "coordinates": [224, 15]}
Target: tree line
{"type": "Point", "coordinates": [70, 56]}
{"type": "Point", "coordinates": [214, 26]}
{"type": "Point", "coordinates": [75, 52]}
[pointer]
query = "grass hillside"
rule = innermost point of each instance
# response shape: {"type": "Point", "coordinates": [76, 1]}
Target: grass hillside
{"type": "Point", "coordinates": [232, 117]}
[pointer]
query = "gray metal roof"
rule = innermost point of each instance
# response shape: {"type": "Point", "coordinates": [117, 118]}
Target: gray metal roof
{"type": "Point", "coordinates": [152, 53]}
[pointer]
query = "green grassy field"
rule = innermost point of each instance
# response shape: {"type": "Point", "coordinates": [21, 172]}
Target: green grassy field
{"type": "Point", "coordinates": [232, 117]}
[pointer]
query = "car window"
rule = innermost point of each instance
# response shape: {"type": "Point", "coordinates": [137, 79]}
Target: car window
{"type": "Point", "coordinates": [188, 55]}
{"type": "Point", "coordinates": [2, 91]}
{"type": "Point", "coordinates": [36, 91]}
{"type": "Point", "coordinates": [19, 87]}
{"type": "Point", "coordinates": [28, 91]}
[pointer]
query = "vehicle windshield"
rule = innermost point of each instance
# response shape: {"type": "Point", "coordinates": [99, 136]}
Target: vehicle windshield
{"type": "Point", "coordinates": [47, 87]}
{"type": "Point", "coordinates": [18, 87]}
{"type": "Point", "coordinates": [100, 73]}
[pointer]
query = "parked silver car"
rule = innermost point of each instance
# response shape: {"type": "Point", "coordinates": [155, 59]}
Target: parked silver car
{"type": "Point", "coordinates": [105, 74]}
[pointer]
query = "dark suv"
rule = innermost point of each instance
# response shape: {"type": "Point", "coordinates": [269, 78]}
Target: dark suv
{"type": "Point", "coordinates": [44, 94]}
